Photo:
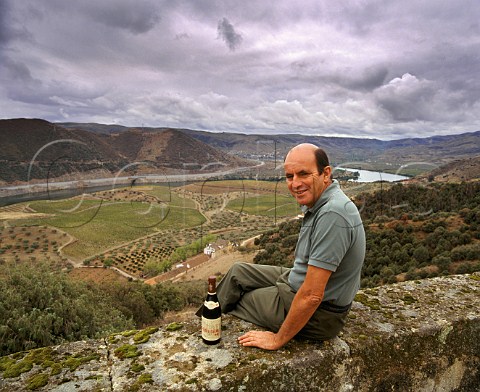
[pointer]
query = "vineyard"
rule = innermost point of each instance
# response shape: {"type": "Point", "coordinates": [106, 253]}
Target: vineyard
{"type": "Point", "coordinates": [138, 230]}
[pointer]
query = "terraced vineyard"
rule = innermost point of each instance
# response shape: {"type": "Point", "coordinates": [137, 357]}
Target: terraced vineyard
{"type": "Point", "coordinates": [18, 243]}
{"type": "Point", "coordinates": [130, 228]}
{"type": "Point", "coordinates": [132, 258]}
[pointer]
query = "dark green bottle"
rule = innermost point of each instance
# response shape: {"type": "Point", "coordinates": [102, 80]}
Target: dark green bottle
{"type": "Point", "coordinates": [211, 315]}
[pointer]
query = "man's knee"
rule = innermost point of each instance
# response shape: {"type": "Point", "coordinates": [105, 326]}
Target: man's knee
{"type": "Point", "coordinates": [238, 265]}
{"type": "Point", "coordinates": [239, 268]}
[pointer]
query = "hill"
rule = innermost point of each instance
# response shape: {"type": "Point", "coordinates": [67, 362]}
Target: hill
{"type": "Point", "coordinates": [38, 149]}
{"type": "Point", "coordinates": [34, 148]}
{"type": "Point", "coordinates": [169, 148]}
{"type": "Point", "coordinates": [379, 154]}
{"type": "Point", "coordinates": [366, 153]}
{"type": "Point", "coordinates": [456, 171]}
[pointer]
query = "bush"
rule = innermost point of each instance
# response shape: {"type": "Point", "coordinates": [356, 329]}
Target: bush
{"type": "Point", "coordinates": [40, 307]}
{"type": "Point", "coordinates": [442, 261]}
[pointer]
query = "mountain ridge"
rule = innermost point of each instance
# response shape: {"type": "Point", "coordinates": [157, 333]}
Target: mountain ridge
{"type": "Point", "coordinates": [64, 148]}
{"type": "Point", "coordinates": [38, 149]}
{"type": "Point", "coordinates": [369, 153]}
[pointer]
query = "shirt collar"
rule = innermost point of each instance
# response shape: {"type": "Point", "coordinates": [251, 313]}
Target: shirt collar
{"type": "Point", "coordinates": [327, 193]}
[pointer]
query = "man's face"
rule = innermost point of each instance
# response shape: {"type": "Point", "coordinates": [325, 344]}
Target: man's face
{"type": "Point", "coordinates": [303, 180]}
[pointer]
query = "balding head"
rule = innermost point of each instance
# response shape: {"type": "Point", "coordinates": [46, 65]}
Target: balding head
{"type": "Point", "coordinates": [321, 157]}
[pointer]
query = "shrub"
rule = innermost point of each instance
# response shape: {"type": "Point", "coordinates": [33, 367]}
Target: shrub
{"type": "Point", "coordinates": [41, 308]}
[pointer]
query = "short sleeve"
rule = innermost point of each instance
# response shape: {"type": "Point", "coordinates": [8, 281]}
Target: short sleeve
{"type": "Point", "coordinates": [330, 239]}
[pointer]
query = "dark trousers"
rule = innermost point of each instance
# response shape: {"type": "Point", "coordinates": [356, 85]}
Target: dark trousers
{"type": "Point", "coordinates": [260, 294]}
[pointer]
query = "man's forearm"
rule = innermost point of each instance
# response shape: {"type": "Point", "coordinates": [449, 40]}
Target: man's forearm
{"type": "Point", "coordinates": [307, 299]}
{"type": "Point", "coordinates": [302, 308]}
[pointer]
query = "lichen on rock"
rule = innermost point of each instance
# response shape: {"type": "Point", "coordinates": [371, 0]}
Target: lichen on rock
{"type": "Point", "coordinates": [408, 336]}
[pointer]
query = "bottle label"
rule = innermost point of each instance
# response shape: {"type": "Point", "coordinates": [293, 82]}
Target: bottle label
{"type": "Point", "coordinates": [211, 305]}
{"type": "Point", "coordinates": [211, 329]}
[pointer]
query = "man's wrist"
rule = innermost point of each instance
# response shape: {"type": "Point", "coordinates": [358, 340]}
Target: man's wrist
{"type": "Point", "coordinates": [279, 342]}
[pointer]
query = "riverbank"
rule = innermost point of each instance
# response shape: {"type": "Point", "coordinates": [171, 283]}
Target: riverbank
{"type": "Point", "coordinates": [12, 194]}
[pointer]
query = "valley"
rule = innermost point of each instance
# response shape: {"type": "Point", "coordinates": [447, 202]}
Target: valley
{"type": "Point", "coordinates": [125, 257]}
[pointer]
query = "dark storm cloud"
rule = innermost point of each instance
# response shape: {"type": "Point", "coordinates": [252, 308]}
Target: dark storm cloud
{"type": "Point", "coordinates": [4, 16]}
{"type": "Point", "coordinates": [368, 79]}
{"type": "Point", "coordinates": [18, 72]}
{"type": "Point", "coordinates": [9, 27]}
{"type": "Point", "coordinates": [372, 68]}
{"type": "Point", "coordinates": [407, 99]}
{"type": "Point", "coordinates": [227, 32]}
{"type": "Point", "coordinates": [137, 17]}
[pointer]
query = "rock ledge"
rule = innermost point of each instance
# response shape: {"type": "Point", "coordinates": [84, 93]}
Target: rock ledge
{"type": "Point", "coordinates": [417, 335]}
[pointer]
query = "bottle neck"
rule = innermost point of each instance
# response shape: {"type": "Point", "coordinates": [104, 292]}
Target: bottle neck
{"type": "Point", "coordinates": [212, 283]}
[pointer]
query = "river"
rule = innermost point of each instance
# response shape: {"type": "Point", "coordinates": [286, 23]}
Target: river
{"type": "Point", "coordinates": [64, 189]}
{"type": "Point", "coordinates": [61, 190]}
{"type": "Point", "coordinates": [372, 176]}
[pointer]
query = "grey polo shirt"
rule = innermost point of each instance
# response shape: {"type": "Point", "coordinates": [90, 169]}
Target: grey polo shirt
{"type": "Point", "coordinates": [331, 237]}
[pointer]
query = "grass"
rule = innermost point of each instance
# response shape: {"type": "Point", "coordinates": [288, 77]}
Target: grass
{"type": "Point", "coordinates": [227, 186]}
{"type": "Point", "coordinates": [99, 226]}
{"type": "Point", "coordinates": [106, 220]}
{"type": "Point", "coordinates": [169, 197]}
{"type": "Point", "coordinates": [266, 205]}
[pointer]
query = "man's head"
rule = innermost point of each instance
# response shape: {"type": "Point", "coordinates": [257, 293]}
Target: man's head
{"type": "Point", "coordinates": [307, 172]}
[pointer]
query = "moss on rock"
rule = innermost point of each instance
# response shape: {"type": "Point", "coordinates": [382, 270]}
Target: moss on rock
{"type": "Point", "coordinates": [37, 381]}
{"type": "Point", "coordinates": [127, 351]}
{"type": "Point", "coordinates": [144, 335]}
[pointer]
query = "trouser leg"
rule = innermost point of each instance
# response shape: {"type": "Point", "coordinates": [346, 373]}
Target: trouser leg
{"type": "Point", "coordinates": [324, 325]}
{"type": "Point", "coordinates": [262, 307]}
{"type": "Point", "coordinates": [249, 292]}
{"type": "Point", "coordinates": [243, 278]}
{"type": "Point", "coordinates": [260, 294]}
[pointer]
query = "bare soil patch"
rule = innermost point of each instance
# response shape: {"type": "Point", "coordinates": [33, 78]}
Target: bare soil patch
{"type": "Point", "coordinates": [97, 275]}
{"type": "Point", "coordinates": [32, 243]}
{"type": "Point", "coordinates": [13, 215]}
{"type": "Point", "coordinates": [218, 265]}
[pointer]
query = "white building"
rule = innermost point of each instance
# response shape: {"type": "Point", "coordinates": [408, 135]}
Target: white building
{"type": "Point", "coordinates": [209, 250]}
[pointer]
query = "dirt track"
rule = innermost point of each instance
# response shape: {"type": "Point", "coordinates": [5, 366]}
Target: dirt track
{"type": "Point", "coordinates": [219, 264]}
{"type": "Point", "coordinates": [203, 267]}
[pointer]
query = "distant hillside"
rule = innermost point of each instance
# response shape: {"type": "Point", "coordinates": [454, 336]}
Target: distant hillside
{"type": "Point", "coordinates": [170, 148]}
{"type": "Point", "coordinates": [374, 153]}
{"type": "Point", "coordinates": [437, 149]}
{"type": "Point", "coordinates": [37, 149]}
{"type": "Point", "coordinates": [102, 150]}
{"type": "Point", "coordinates": [456, 171]}
{"type": "Point", "coordinates": [33, 148]}
{"type": "Point", "coordinates": [21, 139]}
{"type": "Point", "coordinates": [96, 128]}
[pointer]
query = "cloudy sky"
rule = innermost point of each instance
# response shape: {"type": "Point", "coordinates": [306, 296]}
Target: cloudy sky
{"type": "Point", "coordinates": [366, 68]}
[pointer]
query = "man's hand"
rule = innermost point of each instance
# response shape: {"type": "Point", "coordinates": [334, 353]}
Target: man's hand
{"type": "Point", "coordinates": [261, 339]}
{"type": "Point", "coordinates": [306, 301]}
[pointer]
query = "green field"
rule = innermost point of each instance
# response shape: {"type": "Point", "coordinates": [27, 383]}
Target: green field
{"type": "Point", "coordinates": [167, 196]}
{"type": "Point", "coordinates": [101, 225]}
{"type": "Point", "coordinates": [108, 219]}
{"type": "Point", "coordinates": [266, 205]}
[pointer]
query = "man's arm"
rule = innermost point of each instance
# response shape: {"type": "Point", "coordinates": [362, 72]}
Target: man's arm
{"type": "Point", "coordinates": [306, 301]}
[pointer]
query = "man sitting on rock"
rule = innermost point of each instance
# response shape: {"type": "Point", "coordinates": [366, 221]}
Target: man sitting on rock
{"type": "Point", "coordinates": [312, 299]}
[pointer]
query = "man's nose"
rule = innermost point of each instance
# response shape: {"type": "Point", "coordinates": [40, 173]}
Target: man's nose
{"type": "Point", "coordinates": [296, 181]}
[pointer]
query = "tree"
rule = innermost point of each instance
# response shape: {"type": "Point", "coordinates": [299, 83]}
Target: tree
{"type": "Point", "coordinates": [421, 254]}
{"type": "Point", "coordinates": [442, 261]}
{"type": "Point", "coordinates": [40, 307]}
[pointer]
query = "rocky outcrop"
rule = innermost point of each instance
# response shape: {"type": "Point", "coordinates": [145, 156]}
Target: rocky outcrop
{"type": "Point", "coordinates": [412, 336]}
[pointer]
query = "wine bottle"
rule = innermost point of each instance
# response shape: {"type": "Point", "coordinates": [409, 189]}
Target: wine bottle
{"type": "Point", "coordinates": [211, 315]}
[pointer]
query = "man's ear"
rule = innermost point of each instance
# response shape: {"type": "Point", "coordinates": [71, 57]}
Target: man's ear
{"type": "Point", "coordinates": [327, 171]}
